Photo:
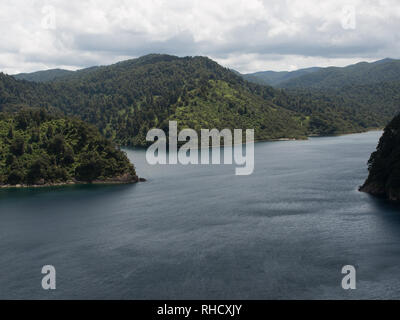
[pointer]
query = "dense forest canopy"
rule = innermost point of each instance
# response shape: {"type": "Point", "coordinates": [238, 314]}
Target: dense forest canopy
{"type": "Point", "coordinates": [39, 149]}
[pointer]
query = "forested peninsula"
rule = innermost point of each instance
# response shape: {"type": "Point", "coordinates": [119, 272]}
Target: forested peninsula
{"type": "Point", "coordinates": [38, 149]}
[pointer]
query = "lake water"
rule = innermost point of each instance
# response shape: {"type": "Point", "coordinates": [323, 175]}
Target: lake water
{"type": "Point", "coordinates": [200, 232]}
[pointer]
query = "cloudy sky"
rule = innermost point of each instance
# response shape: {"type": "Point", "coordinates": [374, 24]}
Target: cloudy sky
{"type": "Point", "coordinates": [247, 35]}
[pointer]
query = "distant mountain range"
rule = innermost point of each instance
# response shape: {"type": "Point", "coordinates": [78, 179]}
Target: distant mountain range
{"type": "Point", "coordinates": [274, 78]}
{"type": "Point", "coordinates": [43, 76]}
{"type": "Point", "coordinates": [362, 73]}
{"type": "Point", "coordinates": [126, 99]}
{"type": "Point", "coordinates": [52, 74]}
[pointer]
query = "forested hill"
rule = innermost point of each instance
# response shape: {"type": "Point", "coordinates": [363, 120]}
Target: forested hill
{"type": "Point", "coordinates": [39, 149]}
{"type": "Point", "coordinates": [127, 99]}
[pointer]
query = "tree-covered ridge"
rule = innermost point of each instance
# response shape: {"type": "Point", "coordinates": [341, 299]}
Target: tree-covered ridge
{"type": "Point", "coordinates": [275, 78]}
{"type": "Point", "coordinates": [43, 76]}
{"type": "Point", "coordinates": [384, 164]}
{"type": "Point", "coordinates": [39, 149]}
{"type": "Point", "coordinates": [362, 73]}
{"type": "Point", "coordinates": [127, 99]}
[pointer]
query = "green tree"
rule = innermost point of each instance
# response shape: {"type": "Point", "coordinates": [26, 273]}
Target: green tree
{"type": "Point", "coordinates": [18, 146]}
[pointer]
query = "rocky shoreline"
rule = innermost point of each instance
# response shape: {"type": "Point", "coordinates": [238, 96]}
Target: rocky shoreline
{"type": "Point", "coordinates": [384, 165]}
{"type": "Point", "coordinates": [374, 189]}
{"type": "Point", "coordinates": [124, 179]}
{"type": "Point", "coordinates": [378, 190]}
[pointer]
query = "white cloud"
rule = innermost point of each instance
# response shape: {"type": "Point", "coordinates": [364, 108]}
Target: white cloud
{"type": "Point", "coordinates": [247, 35]}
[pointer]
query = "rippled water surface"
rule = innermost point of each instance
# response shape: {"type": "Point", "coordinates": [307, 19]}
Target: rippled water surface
{"type": "Point", "coordinates": [201, 232]}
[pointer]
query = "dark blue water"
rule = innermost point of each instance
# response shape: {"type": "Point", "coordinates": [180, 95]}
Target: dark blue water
{"type": "Point", "coordinates": [202, 232]}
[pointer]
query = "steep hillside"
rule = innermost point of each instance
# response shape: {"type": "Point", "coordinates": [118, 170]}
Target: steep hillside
{"type": "Point", "coordinates": [384, 165]}
{"type": "Point", "coordinates": [18, 94]}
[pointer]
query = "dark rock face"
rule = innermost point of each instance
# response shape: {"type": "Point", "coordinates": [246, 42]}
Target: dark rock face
{"type": "Point", "coordinates": [376, 189]}
{"type": "Point", "coordinates": [384, 165]}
